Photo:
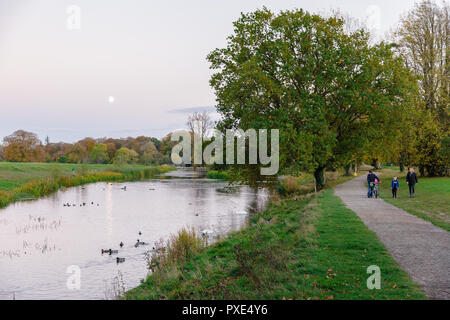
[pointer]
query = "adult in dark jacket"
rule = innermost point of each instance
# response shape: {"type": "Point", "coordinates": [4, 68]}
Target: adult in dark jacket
{"type": "Point", "coordinates": [411, 180]}
{"type": "Point", "coordinates": [371, 178]}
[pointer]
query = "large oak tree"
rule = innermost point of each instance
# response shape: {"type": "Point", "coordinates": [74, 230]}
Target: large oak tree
{"type": "Point", "coordinates": [329, 91]}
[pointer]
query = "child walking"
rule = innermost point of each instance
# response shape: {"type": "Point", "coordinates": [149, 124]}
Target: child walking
{"type": "Point", "coordinates": [395, 185]}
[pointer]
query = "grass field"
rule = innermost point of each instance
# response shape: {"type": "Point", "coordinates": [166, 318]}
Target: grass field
{"type": "Point", "coordinates": [19, 181]}
{"type": "Point", "coordinates": [431, 201]}
{"type": "Point", "coordinates": [313, 248]}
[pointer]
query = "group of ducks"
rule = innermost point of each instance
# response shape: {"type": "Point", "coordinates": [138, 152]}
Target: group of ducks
{"type": "Point", "coordinates": [92, 203]}
{"type": "Point", "coordinates": [74, 205]}
{"type": "Point", "coordinates": [121, 244]}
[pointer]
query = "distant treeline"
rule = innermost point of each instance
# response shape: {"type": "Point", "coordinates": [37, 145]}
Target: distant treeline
{"type": "Point", "coordinates": [23, 146]}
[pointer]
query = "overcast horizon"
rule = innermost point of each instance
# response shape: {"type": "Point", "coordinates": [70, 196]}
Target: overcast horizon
{"type": "Point", "coordinates": [132, 67]}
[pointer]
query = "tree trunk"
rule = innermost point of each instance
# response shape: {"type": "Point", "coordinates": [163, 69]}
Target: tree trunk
{"type": "Point", "coordinates": [376, 164]}
{"type": "Point", "coordinates": [319, 176]}
{"type": "Point", "coordinates": [347, 169]}
{"type": "Point", "coordinates": [422, 170]}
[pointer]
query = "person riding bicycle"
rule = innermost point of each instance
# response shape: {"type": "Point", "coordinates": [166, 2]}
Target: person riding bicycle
{"type": "Point", "coordinates": [371, 178]}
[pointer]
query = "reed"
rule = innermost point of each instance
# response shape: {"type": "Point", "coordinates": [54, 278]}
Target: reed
{"type": "Point", "coordinates": [177, 250]}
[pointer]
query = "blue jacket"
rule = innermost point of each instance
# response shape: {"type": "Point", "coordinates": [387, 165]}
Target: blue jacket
{"type": "Point", "coordinates": [395, 184]}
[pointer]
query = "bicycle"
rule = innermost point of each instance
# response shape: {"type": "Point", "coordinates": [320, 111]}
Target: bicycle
{"type": "Point", "coordinates": [374, 190]}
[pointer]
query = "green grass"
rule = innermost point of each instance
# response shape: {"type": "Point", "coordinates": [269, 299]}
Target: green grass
{"type": "Point", "coordinates": [313, 248]}
{"type": "Point", "coordinates": [304, 183]}
{"type": "Point", "coordinates": [431, 201]}
{"type": "Point", "coordinates": [220, 175]}
{"type": "Point", "coordinates": [20, 181]}
{"type": "Point", "coordinates": [390, 167]}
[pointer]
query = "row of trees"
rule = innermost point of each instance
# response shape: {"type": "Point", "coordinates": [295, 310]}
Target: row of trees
{"type": "Point", "coordinates": [336, 97]}
{"type": "Point", "coordinates": [423, 41]}
{"type": "Point", "coordinates": [23, 146]}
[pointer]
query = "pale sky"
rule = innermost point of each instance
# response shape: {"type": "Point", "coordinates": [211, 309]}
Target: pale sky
{"type": "Point", "coordinates": [135, 67]}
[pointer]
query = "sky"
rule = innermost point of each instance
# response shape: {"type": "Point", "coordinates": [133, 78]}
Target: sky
{"type": "Point", "coordinates": [119, 68]}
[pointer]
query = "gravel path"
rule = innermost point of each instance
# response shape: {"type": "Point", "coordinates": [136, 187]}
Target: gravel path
{"type": "Point", "coordinates": [419, 247]}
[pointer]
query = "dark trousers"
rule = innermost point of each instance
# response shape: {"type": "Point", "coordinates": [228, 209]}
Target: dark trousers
{"type": "Point", "coordinates": [411, 189]}
{"type": "Point", "coordinates": [394, 192]}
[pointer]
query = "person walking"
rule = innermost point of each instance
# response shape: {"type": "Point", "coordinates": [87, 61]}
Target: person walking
{"type": "Point", "coordinates": [371, 180]}
{"type": "Point", "coordinates": [395, 185]}
{"type": "Point", "coordinates": [411, 180]}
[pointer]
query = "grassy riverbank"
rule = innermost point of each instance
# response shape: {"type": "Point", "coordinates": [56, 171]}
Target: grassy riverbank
{"type": "Point", "coordinates": [431, 201]}
{"type": "Point", "coordinates": [20, 181]}
{"type": "Point", "coordinates": [309, 248]}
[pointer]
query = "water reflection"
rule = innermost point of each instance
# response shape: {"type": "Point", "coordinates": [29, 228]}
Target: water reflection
{"type": "Point", "coordinates": [40, 239]}
{"type": "Point", "coordinates": [109, 209]}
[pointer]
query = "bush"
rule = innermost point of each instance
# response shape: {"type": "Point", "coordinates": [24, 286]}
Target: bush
{"type": "Point", "coordinates": [289, 185]}
{"type": "Point", "coordinates": [62, 159]}
{"type": "Point", "coordinates": [178, 249]}
{"type": "Point", "coordinates": [220, 175]}
{"type": "Point", "coordinates": [5, 198]}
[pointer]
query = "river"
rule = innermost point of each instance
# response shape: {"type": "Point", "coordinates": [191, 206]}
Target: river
{"type": "Point", "coordinates": [46, 246]}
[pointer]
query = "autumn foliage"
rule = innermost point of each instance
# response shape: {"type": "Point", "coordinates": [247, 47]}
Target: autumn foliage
{"type": "Point", "coordinates": [23, 146]}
